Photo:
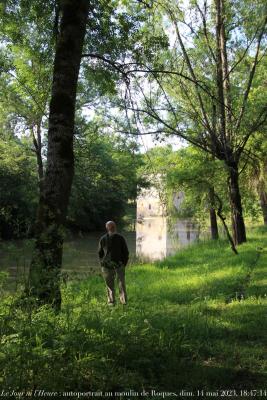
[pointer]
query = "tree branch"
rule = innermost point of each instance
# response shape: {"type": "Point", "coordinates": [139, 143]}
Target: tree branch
{"type": "Point", "coordinates": [251, 76]}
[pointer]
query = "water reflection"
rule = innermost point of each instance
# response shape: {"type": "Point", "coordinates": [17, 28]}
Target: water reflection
{"type": "Point", "coordinates": [158, 237]}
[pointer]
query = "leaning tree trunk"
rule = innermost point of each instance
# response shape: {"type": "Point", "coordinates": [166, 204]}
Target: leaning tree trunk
{"type": "Point", "coordinates": [213, 218]}
{"type": "Point", "coordinates": [238, 225]}
{"type": "Point", "coordinates": [44, 275]}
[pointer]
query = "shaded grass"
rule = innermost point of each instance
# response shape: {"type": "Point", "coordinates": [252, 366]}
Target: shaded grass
{"type": "Point", "coordinates": [196, 320]}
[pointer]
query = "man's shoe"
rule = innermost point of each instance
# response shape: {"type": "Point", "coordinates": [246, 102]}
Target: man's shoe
{"type": "Point", "coordinates": [111, 304]}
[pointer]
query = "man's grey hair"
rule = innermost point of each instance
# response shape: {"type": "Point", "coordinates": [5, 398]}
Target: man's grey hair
{"type": "Point", "coordinates": [110, 223]}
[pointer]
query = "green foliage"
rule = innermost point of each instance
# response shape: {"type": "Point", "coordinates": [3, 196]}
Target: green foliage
{"type": "Point", "coordinates": [194, 321]}
{"type": "Point", "coordinates": [113, 36]}
{"type": "Point", "coordinates": [196, 173]}
{"type": "Point", "coordinates": [27, 60]}
{"type": "Point", "coordinates": [18, 181]}
{"type": "Point", "coordinates": [254, 177]}
{"type": "Point", "coordinates": [178, 91]}
{"type": "Point", "coordinates": [105, 181]}
{"type": "Point", "coordinates": [105, 178]}
{"type": "Point", "coordinates": [193, 172]}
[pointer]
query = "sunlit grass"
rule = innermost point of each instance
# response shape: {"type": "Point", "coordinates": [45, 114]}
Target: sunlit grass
{"type": "Point", "coordinates": [195, 320]}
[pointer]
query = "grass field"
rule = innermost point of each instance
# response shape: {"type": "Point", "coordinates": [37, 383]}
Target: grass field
{"type": "Point", "coordinates": [195, 321]}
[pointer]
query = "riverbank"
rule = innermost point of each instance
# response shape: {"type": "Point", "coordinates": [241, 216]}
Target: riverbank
{"type": "Point", "coordinates": [195, 321]}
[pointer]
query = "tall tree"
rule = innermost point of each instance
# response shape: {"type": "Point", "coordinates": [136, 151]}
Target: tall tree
{"type": "Point", "coordinates": [44, 277]}
{"type": "Point", "coordinates": [195, 87]}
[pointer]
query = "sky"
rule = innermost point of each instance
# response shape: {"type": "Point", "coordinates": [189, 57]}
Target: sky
{"type": "Point", "coordinates": [148, 142]}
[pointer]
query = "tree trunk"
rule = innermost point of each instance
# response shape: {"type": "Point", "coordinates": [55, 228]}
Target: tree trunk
{"type": "Point", "coordinates": [39, 155]}
{"type": "Point", "coordinates": [220, 72]}
{"type": "Point", "coordinates": [37, 142]}
{"type": "Point", "coordinates": [213, 217]}
{"type": "Point", "coordinates": [261, 188]}
{"type": "Point", "coordinates": [44, 275]}
{"type": "Point", "coordinates": [225, 72]}
{"type": "Point", "coordinates": [238, 225]}
{"type": "Point", "coordinates": [263, 203]}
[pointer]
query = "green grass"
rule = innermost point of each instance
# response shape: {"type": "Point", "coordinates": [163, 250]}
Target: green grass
{"type": "Point", "coordinates": [194, 321]}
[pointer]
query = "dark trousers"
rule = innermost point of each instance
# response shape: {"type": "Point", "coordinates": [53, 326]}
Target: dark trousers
{"type": "Point", "coordinates": [109, 275]}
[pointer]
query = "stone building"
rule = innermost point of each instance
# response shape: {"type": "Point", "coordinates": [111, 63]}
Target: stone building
{"type": "Point", "coordinates": [157, 235]}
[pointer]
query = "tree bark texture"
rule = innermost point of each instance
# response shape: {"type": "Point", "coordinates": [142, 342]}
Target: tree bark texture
{"type": "Point", "coordinates": [238, 225]}
{"type": "Point", "coordinates": [263, 203]}
{"type": "Point", "coordinates": [44, 276]}
{"type": "Point", "coordinates": [213, 218]}
{"type": "Point", "coordinates": [224, 106]}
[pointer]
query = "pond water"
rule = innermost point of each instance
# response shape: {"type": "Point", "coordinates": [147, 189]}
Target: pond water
{"type": "Point", "coordinates": [80, 257]}
{"type": "Point", "coordinates": [154, 239]}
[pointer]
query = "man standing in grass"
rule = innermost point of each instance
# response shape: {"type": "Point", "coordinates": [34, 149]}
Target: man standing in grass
{"type": "Point", "coordinates": [113, 255]}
